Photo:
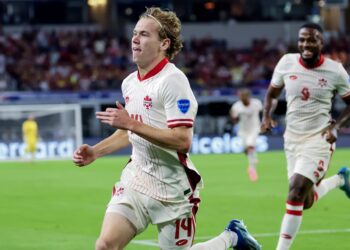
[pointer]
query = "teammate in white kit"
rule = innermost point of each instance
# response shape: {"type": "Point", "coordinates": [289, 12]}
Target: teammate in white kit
{"type": "Point", "coordinates": [246, 112]}
{"type": "Point", "coordinates": [310, 81]}
{"type": "Point", "coordinates": [159, 184]}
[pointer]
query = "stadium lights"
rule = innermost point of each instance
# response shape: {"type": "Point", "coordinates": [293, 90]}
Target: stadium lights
{"type": "Point", "coordinates": [94, 3]}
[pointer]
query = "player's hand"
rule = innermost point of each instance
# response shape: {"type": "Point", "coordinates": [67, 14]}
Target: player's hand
{"type": "Point", "coordinates": [116, 117]}
{"type": "Point", "coordinates": [267, 124]}
{"type": "Point", "coordinates": [330, 134]}
{"type": "Point", "coordinates": [83, 155]}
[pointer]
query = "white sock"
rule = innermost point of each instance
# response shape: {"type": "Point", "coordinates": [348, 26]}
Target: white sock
{"type": "Point", "coordinates": [327, 185]}
{"type": "Point", "coordinates": [290, 224]}
{"type": "Point", "coordinates": [222, 242]}
{"type": "Point", "coordinates": [252, 158]}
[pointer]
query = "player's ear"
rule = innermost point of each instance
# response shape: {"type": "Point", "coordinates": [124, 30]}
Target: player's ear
{"type": "Point", "coordinates": [165, 44]}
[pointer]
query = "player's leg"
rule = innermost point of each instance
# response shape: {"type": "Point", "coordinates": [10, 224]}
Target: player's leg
{"type": "Point", "coordinates": [32, 148]}
{"type": "Point", "coordinates": [307, 165]}
{"type": "Point", "coordinates": [125, 217]}
{"type": "Point", "coordinates": [299, 189]}
{"type": "Point", "coordinates": [178, 233]}
{"type": "Point", "coordinates": [116, 233]}
{"type": "Point", "coordinates": [235, 236]}
{"type": "Point", "coordinates": [322, 186]}
{"type": "Point", "coordinates": [249, 141]}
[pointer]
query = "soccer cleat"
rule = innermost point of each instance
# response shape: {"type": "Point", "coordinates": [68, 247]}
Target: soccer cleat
{"type": "Point", "coordinates": [253, 175]}
{"type": "Point", "coordinates": [345, 172]}
{"type": "Point", "coordinates": [245, 241]}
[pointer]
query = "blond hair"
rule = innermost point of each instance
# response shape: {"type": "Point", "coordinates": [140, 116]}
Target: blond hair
{"type": "Point", "coordinates": [169, 27]}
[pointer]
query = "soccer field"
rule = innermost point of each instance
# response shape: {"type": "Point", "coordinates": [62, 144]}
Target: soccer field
{"type": "Point", "coordinates": [54, 205]}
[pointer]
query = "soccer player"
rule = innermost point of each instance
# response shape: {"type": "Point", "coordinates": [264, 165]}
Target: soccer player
{"type": "Point", "coordinates": [30, 135]}
{"type": "Point", "coordinates": [310, 81]}
{"type": "Point", "coordinates": [159, 185]}
{"type": "Point", "coordinates": [246, 112]}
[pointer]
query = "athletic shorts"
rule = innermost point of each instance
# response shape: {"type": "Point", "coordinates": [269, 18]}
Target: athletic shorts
{"type": "Point", "coordinates": [175, 221]}
{"type": "Point", "coordinates": [31, 145]}
{"type": "Point", "coordinates": [248, 139]}
{"type": "Point", "coordinates": [309, 158]}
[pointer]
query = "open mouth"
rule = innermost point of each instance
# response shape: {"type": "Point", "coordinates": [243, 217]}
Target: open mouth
{"type": "Point", "coordinates": [307, 54]}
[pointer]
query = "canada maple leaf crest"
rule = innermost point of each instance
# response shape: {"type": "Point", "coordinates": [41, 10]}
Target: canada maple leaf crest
{"type": "Point", "coordinates": [322, 82]}
{"type": "Point", "coordinates": [147, 102]}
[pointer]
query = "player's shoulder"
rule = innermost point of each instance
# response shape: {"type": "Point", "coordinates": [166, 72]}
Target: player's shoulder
{"type": "Point", "coordinates": [129, 80]}
{"type": "Point", "coordinates": [256, 101]}
{"type": "Point", "coordinates": [131, 77]}
{"type": "Point", "coordinates": [330, 63]}
{"type": "Point", "coordinates": [290, 58]}
{"type": "Point", "coordinates": [170, 71]}
{"type": "Point", "coordinates": [172, 74]}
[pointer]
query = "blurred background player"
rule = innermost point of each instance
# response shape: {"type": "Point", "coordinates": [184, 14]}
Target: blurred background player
{"type": "Point", "coordinates": [246, 113]}
{"type": "Point", "coordinates": [30, 135]}
{"type": "Point", "coordinates": [311, 81]}
{"type": "Point", "coordinates": [160, 184]}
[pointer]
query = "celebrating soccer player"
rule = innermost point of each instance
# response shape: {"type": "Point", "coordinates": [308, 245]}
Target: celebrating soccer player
{"type": "Point", "coordinates": [310, 81]}
{"type": "Point", "coordinates": [159, 184]}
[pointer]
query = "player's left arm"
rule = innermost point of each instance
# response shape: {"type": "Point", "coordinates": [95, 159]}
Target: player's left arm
{"type": "Point", "coordinates": [330, 132]}
{"type": "Point", "coordinates": [343, 89]}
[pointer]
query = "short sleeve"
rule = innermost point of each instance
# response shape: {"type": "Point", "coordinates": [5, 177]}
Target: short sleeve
{"type": "Point", "coordinates": [343, 84]}
{"type": "Point", "coordinates": [234, 110]}
{"type": "Point", "coordinates": [179, 101]}
{"type": "Point", "coordinates": [277, 76]}
{"type": "Point", "coordinates": [259, 105]}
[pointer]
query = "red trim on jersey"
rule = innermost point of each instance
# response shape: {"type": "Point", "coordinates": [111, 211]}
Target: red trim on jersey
{"type": "Point", "coordinates": [193, 177]}
{"type": "Point", "coordinates": [195, 202]}
{"type": "Point", "coordinates": [153, 71]}
{"type": "Point", "coordinates": [180, 122]}
{"type": "Point", "coordinates": [175, 120]}
{"type": "Point", "coordinates": [293, 212]}
{"type": "Point", "coordinates": [190, 125]}
{"type": "Point", "coordinates": [294, 203]}
{"type": "Point", "coordinates": [318, 63]}
{"type": "Point", "coordinates": [315, 196]}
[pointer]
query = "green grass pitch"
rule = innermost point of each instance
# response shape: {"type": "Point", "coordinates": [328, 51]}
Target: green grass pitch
{"type": "Point", "coordinates": [53, 205]}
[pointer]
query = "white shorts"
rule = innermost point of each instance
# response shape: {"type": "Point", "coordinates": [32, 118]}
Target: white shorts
{"type": "Point", "coordinates": [248, 139]}
{"type": "Point", "coordinates": [309, 158]}
{"type": "Point", "coordinates": [175, 221]}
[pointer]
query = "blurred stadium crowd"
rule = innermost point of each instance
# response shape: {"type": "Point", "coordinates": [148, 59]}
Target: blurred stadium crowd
{"type": "Point", "coordinates": [36, 60]}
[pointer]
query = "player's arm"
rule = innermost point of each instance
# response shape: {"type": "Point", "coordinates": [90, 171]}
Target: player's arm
{"type": "Point", "coordinates": [270, 103]}
{"type": "Point", "coordinates": [330, 132]}
{"type": "Point", "coordinates": [233, 117]}
{"type": "Point", "coordinates": [86, 154]}
{"type": "Point", "coordinates": [178, 138]}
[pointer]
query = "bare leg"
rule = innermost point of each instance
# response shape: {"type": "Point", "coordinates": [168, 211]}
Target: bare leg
{"type": "Point", "coordinates": [116, 232]}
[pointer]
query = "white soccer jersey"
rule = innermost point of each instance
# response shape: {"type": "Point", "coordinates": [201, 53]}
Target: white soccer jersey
{"type": "Point", "coordinates": [309, 93]}
{"type": "Point", "coordinates": [162, 99]}
{"type": "Point", "coordinates": [249, 120]}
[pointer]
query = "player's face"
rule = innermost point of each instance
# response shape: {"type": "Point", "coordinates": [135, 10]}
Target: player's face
{"type": "Point", "coordinates": [245, 98]}
{"type": "Point", "coordinates": [146, 44]}
{"type": "Point", "coordinates": [310, 44]}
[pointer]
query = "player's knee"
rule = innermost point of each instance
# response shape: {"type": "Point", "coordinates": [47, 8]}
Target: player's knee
{"type": "Point", "coordinates": [296, 194]}
{"type": "Point", "coordinates": [105, 244]}
{"type": "Point", "coordinates": [309, 201]}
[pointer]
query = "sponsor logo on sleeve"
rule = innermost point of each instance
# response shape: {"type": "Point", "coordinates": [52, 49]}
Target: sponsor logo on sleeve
{"type": "Point", "coordinates": [183, 105]}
